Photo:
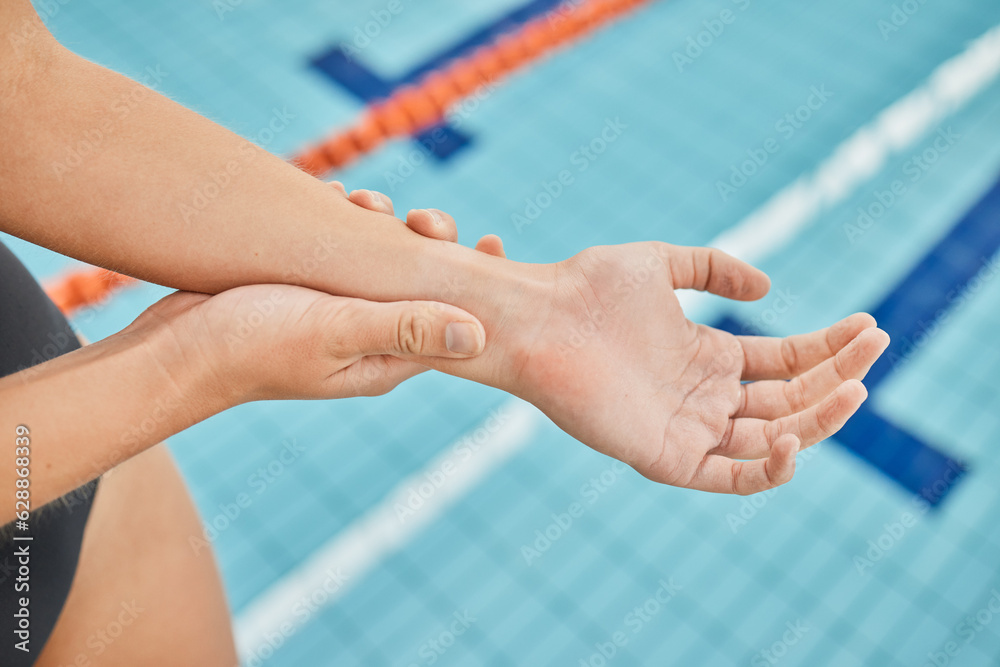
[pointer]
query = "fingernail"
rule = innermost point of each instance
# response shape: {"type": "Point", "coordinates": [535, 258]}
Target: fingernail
{"type": "Point", "coordinates": [435, 215]}
{"type": "Point", "coordinates": [462, 338]}
{"type": "Point", "coordinates": [375, 198]}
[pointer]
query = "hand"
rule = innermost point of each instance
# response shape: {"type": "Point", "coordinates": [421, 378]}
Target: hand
{"type": "Point", "coordinates": [618, 366]}
{"type": "Point", "coordinates": [292, 342]}
{"type": "Point", "coordinates": [268, 342]}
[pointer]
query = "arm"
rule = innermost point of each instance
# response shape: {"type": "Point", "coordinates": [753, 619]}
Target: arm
{"type": "Point", "coordinates": [132, 202]}
{"type": "Point", "coordinates": [166, 195]}
{"type": "Point", "coordinates": [185, 359]}
{"type": "Point", "coordinates": [92, 409]}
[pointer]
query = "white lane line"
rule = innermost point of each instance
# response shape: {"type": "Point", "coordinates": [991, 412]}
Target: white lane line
{"type": "Point", "coordinates": [860, 157]}
{"type": "Point", "coordinates": [291, 601]}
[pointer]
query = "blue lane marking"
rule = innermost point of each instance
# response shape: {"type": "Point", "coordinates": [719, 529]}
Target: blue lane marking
{"type": "Point", "coordinates": [908, 313]}
{"type": "Point", "coordinates": [341, 65]}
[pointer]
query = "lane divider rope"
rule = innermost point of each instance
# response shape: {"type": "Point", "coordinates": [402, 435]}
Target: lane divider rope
{"type": "Point", "coordinates": [414, 108]}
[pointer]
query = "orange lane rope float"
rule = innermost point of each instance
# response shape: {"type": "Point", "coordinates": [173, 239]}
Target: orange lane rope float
{"type": "Point", "coordinates": [416, 107]}
{"type": "Point", "coordinates": [404, 113]}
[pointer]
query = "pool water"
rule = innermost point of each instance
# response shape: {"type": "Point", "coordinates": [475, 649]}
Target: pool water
{"type": "Point", "coordinates": [544, 552]}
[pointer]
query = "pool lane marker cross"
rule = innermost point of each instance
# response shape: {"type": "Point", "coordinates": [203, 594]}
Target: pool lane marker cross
{"type": "Point", "coordinates": [342, 66]}
{"type": "Point", "coordinates": [772, 227]}
{"type": "Point", "coordinates": [416, 103]}
{"type": "Point", "coordinates": [910, 313]}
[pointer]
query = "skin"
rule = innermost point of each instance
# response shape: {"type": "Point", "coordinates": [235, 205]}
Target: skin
{"type": "Point", "coordinates": [598, 342]}
{"type": "Point", "coordinates": [137, 553]}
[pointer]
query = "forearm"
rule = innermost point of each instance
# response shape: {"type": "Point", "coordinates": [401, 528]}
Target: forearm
{"type": "Point", "coordinates": [92, 409]}
{"type": "Point", "coordinates": [100, 168]}
{"type": "Point", "coordinates": [171, 197]}
{"type": "Point", "coordinates": [132, 204]}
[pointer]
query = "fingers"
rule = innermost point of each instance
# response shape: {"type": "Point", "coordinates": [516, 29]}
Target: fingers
{"type": "Point", "coordinates": [753, 438]}
{"type": "Point", "coordinates": [491, 244]}
{"type": "Point", "coordinates": [777, 398]}
{"type": "Point", "coordinates": [428, 222]}
{"type": "Point", "coordinates": [433, 224]}
{"type": "Point", "coordinates": [406, 329]}
{"type": "Point", "coordinates": [373, 201]}
{"type": "Point", "coordinates": [783, 358]}
{"type": "Point", "coordinates": [711, 270]}
{"type": "Point", "coordinates": [719, 474]}
{"type": "Point", "coordinates": [339, 187]}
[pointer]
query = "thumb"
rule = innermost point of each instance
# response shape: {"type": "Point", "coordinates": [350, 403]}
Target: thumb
{"type": "Point", "coordinates": [415, 328]}
{"type": "Point", "coordinates": [712, 270]}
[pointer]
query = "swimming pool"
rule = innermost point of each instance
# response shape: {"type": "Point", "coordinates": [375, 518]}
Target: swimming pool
{"type": "Point", "coordinates": [661, 139]}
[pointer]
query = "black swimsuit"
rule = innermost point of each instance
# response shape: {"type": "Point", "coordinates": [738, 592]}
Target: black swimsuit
{"type": "Point", "coordinates": [32, 330]}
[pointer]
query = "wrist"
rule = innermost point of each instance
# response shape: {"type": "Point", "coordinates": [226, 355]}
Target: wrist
{"type": "Point", "coordinates": [511, 300]}
{"type": "Point", "coordinates": [191, 375]}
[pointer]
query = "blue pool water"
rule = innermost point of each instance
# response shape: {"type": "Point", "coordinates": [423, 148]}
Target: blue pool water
{"type": "Point", "coordinates": [791, 577]}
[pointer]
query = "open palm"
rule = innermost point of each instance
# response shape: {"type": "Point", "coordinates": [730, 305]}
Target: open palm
{"type": "Point", "coordinates": [622, 369]}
